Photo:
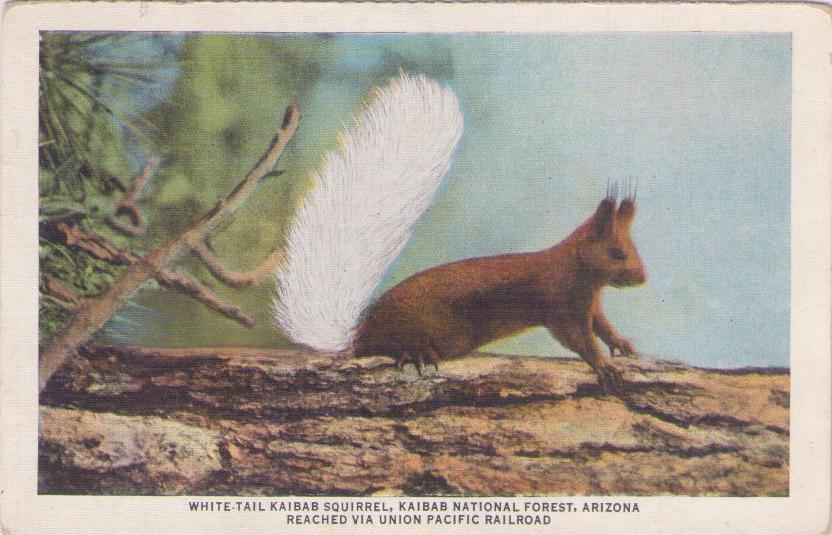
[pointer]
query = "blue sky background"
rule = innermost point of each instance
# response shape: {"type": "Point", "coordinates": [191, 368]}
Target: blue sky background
{"type": "Point", "coordinates": [701, 119]}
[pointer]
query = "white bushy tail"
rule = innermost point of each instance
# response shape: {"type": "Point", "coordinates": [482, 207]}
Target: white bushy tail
{"type": "Point", "coordinates": [359, 213]}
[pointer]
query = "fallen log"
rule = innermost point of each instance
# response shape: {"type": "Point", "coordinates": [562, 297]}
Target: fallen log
{"type": "Point", "coordinates": [287, 422]}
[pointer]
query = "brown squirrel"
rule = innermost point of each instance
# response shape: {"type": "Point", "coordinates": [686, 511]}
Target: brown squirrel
{"type": "Point", "coordinates": [452, 309]}
{"type": "Point", "coordinates": [337, 252]}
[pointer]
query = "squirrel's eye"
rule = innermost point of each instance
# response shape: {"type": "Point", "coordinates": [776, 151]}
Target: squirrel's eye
{"type": "Point", "coordinates": [617, 253]}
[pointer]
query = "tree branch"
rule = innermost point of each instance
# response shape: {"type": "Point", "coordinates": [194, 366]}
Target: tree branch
{"type": "Point", "coordinates": [60, 294]}
{"type": "Point", "coordinates": [127, 205]}
{"type": "Point", "coordinates": [93, 313]}
{"type": "Point", "coordinates": [66, 305]}
{"type": "Point", "coordinates": [98, 246]}
{"type": "Point", "coordinates": [237, 279]}
{"type": "Point", "coordinates": [180, 282]}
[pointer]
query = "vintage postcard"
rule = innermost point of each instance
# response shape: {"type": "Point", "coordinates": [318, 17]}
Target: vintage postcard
{"type": "Point", "coordinates": [388, 268]}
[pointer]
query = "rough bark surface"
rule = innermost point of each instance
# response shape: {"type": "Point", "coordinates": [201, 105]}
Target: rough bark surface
{"type": "Point", "coordinates": [276, 422]}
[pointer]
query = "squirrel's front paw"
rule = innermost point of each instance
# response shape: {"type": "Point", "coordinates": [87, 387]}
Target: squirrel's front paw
{"type": "Point", "coordinates": [610, 379]}
{"type": "Point", "coordinates": [624, 346]}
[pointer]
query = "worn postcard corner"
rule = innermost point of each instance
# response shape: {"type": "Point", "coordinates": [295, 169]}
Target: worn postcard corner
{"type": "Point", "coordinates": [396, 268]}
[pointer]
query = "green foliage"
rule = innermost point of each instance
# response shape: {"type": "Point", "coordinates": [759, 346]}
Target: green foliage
{"type": "Point", "coordinates": [85, 126]}
{"type": "Point", "coordinates": [225, 109]}
{"type": "Point", "coordinates": [83, 274]}
{"type": "Point", "coordinates": [76, 114]}
{"type": "Point", "coordinates": [227, 104]}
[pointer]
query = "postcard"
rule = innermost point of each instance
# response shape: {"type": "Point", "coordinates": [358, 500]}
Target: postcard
{"type": "Point", "coordinates": [405, 268]}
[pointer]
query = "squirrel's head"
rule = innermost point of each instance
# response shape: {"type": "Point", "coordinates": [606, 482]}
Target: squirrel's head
{"type": "Point", "coordinates": [606, 251]}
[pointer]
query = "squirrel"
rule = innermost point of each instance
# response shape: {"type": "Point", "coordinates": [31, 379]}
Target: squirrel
{"type": "Point", "coordinates": [358, 216]}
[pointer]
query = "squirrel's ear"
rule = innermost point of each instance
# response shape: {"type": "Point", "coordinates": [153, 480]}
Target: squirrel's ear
{"type": "Point", "coordinates": [626, 212]}
{"type": "Point", "coordinates": [602, 220]}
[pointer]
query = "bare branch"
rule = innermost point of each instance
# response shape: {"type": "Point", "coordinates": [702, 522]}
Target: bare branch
{"type": "Point", "coordinates": [59, 293]}
{"type": "Point", "coordinates": [93, 313]}
{"type": "Point", "coordinates": [63, 304]}
{"type": "Point", "coordinates": [183, 283]}
{"type": "Point", "coordinates": [237, 279]}
{"type": "Point", "coordinates": [99, 247]}
{"type": "Point", "coordinates": [96, 244]}
{"type": "Point", "coordinates": [243, 190]}
{"type": "Point", "coordinates": [127, 205]}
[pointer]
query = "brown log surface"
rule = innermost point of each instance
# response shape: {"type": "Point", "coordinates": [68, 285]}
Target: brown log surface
{"type": "Point", "coordinates": [236, 421]}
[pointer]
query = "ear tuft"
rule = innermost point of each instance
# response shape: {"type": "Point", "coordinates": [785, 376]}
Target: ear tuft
{"type": "Point", "coordinates": [626, 211]}
{"type": "Point", "coordinates": [602, 220]}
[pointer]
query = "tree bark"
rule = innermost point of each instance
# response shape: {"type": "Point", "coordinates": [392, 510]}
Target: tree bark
{"type": "Point", "coordinates": [244, 421]}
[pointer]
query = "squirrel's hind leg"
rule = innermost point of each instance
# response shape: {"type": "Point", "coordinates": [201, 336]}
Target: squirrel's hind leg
{"type": "Point", "coordinates": [403, 360]}
{"type": "Point", "coordinates": [433, 359]}
{"type": "Point", "coordinates": [419, 363]}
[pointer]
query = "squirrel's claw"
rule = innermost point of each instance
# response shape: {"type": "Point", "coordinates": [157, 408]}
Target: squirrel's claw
{"type": "Point", "coordinates": [610, 380]}
{"type": "Point", "coordinates": [624, 346]}
{"type": "Point", "coordinates": [418, 363]}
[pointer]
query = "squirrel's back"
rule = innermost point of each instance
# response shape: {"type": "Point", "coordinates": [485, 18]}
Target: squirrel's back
{"type": "Point", "coordinates": [361, 208]}
{"type": "Point", "coordinates": [451, 309]}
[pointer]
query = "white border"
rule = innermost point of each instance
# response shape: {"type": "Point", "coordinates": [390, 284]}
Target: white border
{"type": "Point", "coordinates": [806, 510]}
